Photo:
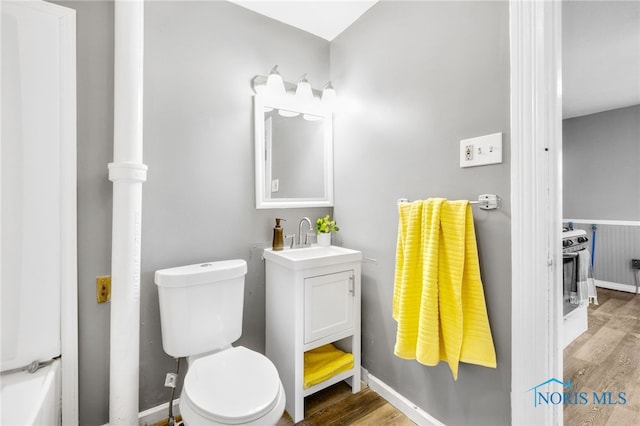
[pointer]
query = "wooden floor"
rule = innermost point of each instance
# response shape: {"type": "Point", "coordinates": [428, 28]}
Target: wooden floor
{"type": "Point", "coordinates": [336, 405]}
{"type": "Point", "coordinates": [606, 358]}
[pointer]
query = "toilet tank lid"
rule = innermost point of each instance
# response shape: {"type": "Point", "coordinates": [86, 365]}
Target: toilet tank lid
{"type": "Point", "coordinates": [201, 273]}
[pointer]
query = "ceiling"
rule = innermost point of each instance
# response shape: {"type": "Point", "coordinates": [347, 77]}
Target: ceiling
{"type": "Point", "coordinates": [601, 56]}
{"type": "Point", "coordinates": [324, 18]}
{"type": "Point", "coordinates": [601, 44]}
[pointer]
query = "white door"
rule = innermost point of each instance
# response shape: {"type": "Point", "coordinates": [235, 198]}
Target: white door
{"type": "Point", "coordinates": [328, 305]}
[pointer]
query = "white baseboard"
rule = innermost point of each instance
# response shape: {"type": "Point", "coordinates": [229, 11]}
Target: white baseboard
{"type": "Point", "coordinates": [616, 286]}
{"type": "Point", "coordinates": [408, 408]}
{"type": "Point", "coordinates": [364, 376]}
{"type": "Point", "coordinates": [157, 414]}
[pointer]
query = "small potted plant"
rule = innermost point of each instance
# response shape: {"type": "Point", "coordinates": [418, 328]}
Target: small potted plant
{"type": "Point", "coordinates": [324, 227]}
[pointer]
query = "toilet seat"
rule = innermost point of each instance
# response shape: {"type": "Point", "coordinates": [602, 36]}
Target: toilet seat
{"type": "Point", "coordinates": [233, 386]}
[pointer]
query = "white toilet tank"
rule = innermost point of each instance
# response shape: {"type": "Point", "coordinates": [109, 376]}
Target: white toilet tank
{"type": "Point", "coordinates": [201, 306]}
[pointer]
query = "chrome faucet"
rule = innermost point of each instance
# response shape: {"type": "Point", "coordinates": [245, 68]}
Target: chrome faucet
{"type": "Point", "coordinates": [306, 240]}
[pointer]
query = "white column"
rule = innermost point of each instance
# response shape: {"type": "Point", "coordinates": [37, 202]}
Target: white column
{"type": "Point", "coordinates": [127, 174]}
{"type": "Point", "coordinates": [536, 208]}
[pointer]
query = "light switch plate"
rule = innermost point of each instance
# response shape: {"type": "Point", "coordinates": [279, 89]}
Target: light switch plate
{"type": "Point", "coordinates": [481, 150]}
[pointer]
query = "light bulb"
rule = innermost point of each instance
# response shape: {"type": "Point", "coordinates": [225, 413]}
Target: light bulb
{"type": "Point", "coordinates": [328, 96]}
{"type": "Point", "coordinates": [303, 91]}
{"type": "Point", "coordinates": [287, 113]}
{"type": "Point", "coordinates": [275, 84]}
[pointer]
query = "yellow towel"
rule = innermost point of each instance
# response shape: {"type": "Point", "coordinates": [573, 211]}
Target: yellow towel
{"type": "Point", "coordinates": [323, 363]}
{"type": "Point", "coordinates": [438, 298]}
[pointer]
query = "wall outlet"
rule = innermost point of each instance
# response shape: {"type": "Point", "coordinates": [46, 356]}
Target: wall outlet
{"type": "Point", "coordinates": [468, 152]}
{"type": "Point", "coordinates": [103, 288]}
{"type": "Point", "coordinates": [170, 380]}
{"type": "Point", "coordinates": [635, 263]}
{"type": "Point", "coordinates": [481, 150]}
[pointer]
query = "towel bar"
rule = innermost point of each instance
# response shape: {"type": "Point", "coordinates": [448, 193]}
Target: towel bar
{"type": "Point", "coordinates": [485, 201]}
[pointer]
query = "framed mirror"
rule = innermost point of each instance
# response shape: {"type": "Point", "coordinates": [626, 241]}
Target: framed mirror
{"type": "Point", "coordinates": [294, 153]}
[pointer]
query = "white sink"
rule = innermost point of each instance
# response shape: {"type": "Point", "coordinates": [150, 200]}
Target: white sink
{"type": "Point", "coordinates": [312, 257]}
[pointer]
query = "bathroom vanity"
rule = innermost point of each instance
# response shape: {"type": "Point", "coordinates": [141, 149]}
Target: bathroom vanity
{"type": "Point", "coordinates": [312, 299]}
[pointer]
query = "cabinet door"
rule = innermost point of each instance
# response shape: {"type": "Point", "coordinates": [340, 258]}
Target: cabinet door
{"type": "Point", "coordinates": [328, 305]}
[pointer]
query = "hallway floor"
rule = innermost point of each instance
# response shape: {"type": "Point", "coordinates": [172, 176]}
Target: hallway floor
{"type": "Point", "coordinates": [606, 358]}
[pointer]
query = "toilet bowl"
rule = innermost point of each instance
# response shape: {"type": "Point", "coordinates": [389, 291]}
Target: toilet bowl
{"type": "Point", "coordinates": [234, 386]}
{"type": "Point", "coordinates": [201, 315]}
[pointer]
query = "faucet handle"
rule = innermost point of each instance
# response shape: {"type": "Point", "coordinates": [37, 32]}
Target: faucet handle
{"type": "Point", "coordinates": [293, 240]}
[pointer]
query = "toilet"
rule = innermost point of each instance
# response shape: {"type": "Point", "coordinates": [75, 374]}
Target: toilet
{"type": "Point", "coordinates": [201, 316]}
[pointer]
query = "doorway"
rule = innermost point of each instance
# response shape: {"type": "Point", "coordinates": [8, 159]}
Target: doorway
{"type": "Point", "coordinates": [601, 111]}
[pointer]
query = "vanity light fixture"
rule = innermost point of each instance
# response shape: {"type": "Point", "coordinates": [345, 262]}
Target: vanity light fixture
{"type": "Point", "coordinates": [302, 92]}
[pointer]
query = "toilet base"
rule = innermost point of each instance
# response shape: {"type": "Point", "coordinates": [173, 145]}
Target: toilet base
{"type": "Point", "coordinates": [192, 418]}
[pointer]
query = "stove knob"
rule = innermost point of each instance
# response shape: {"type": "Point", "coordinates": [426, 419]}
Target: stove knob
{"type": "Point", "coordinates": [566, 243]}
{"type": "Point", "coordinates": [583, 239]}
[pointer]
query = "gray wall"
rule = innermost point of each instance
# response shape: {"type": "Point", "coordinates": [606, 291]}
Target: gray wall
{"type": "Point", "coordinates": [413, 78]}
{"type": "Point", "coordinates": [601, 165]}
{"type": "Point", "coordinates": [198, 201]}
{"type": "Point", "coordinates": [601, 181]}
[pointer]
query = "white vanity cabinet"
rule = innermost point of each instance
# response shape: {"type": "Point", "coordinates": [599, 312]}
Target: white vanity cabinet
{"type": "Point", "coordinates": [312, 298]}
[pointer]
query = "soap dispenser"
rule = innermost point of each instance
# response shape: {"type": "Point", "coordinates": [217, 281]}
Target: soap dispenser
{"type": "Point", "coordinates": [278, 237]}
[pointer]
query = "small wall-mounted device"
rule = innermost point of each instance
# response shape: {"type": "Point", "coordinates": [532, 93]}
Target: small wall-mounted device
{"type": "Point", "coordinates": [103, 288]}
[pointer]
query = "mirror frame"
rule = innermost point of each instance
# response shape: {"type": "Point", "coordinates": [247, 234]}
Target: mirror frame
{"type": "Point", "coordinates": [262, 155]}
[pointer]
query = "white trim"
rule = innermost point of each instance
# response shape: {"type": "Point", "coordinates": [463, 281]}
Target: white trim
{"type": "Point", "coordinates": [536, 201]}
{"type": "Point", "coordinates": [629, 288]}
{"type": "Point", "coordinates": [364, 376]}
{"type": "Point", "coordinates": [604, 222]}
{"type": "Point", "coordinates": [158, 413]}
{"type": "Point", "coordinates": [69, 255]}
{"type": "Point", "coordinates": [408, 408]}
{"type": "Point", "coordinates": [263, 177]}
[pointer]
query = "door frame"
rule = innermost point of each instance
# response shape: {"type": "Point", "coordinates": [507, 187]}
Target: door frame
{"type": "Point", "coordinates": [536, 195]}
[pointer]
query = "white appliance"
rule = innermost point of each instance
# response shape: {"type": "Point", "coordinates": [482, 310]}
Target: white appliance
{"type": "Point", "coordinates": [574, 313]}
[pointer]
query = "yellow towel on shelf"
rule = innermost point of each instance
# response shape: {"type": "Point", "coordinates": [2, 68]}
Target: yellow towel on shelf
{"type": "Point", "coordinates": [438, 299]}
{"type": "Point", "coordinates": [323, 363]}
